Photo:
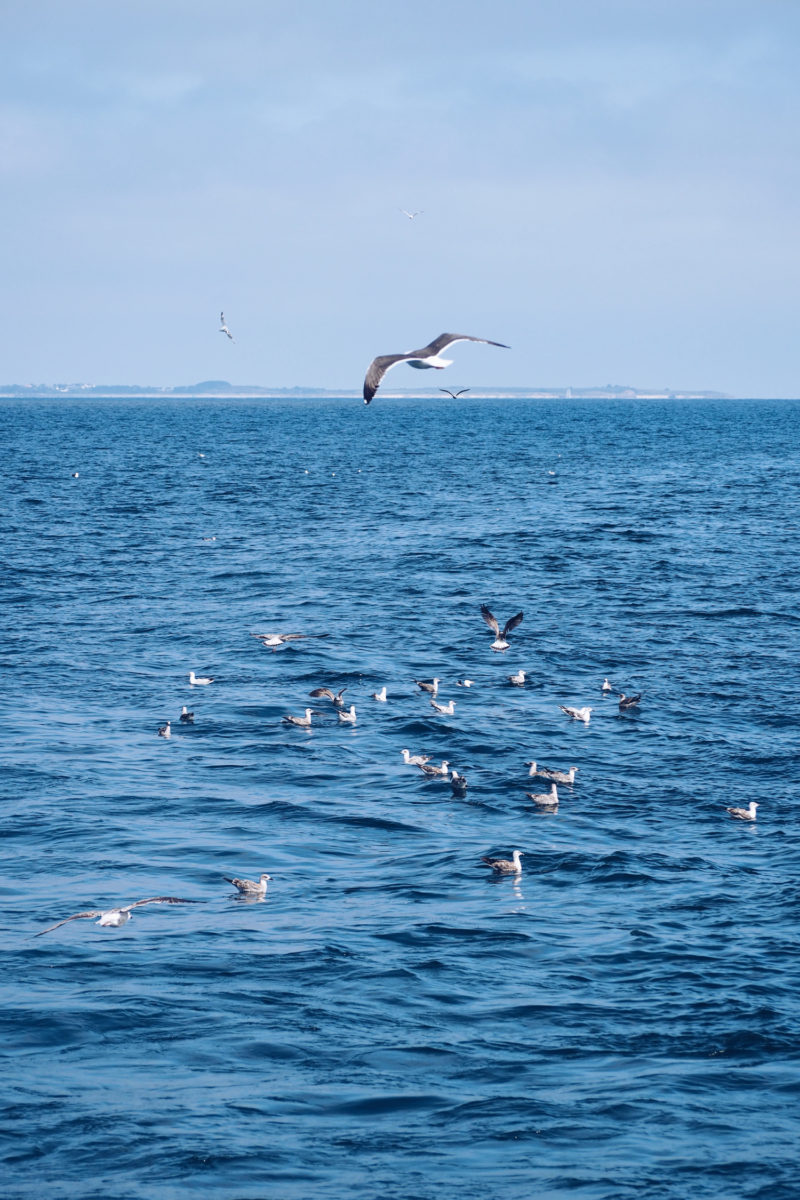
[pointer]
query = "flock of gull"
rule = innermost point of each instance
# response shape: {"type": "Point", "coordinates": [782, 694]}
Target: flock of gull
{"type": "Point", "coordinates": [547, 801]}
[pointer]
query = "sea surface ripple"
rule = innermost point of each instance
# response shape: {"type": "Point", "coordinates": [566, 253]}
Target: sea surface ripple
{"type": "Point", "coordinates": [622, 1020]}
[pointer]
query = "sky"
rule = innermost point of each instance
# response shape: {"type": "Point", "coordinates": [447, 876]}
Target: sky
{"type": "Point", "coordinates": [609, 186]}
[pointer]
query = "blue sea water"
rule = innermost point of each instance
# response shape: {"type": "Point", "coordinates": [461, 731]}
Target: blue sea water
{"type": "Point", "coordinates": [622, 1020]}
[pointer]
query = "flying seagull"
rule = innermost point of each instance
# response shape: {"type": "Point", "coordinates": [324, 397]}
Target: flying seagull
{"type": "Point", "coordinates": [501, 639]}
{"type": "Point", "coordinates": [422, 359]}
{"type": "Point", "coordinates": [247, 887]}
{"type": "Point", "coordinates": [223, 328]}
{"type": "Point", "coordinates": [117, 916]}
{"type": "Point", "coordinates": [324, 693]}
{"type": "Point", "coordinates": [271, 641]}
{"type": "Point", "coordinates": [455, 395]}
{"type": "Point", "coordinates": [411, 215]}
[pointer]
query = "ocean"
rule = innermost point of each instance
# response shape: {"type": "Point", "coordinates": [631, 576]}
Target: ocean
{"type": "Point", "coordinates": [395, 1020]}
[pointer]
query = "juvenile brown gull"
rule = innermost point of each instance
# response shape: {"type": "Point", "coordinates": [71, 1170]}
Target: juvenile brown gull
{"type": "Point", "coordinates": [165, 731]}
{"type": "Point", "coordinates": [113, 917]}
{"type": "Point", "coordinates": [247, 887]}
{"type": "Point", "coordinates": [501, 639]}
{"type": "Point", "coordinates": [187, 718]}
{"type": "Point", "coordinates": [429, 769]}
{"type": "Point", "coordinates": [626, 702]}
{"type": "Point", "coordinates": [431, 686]}
{"type": "Point", "coordinates": [744, 814]}
{"type": "Point", "coordinates": [428, 356]}
{"type": "Point", "coordinates": [556, 776]}
{"type": "Point", "coordinates": [505, 866]}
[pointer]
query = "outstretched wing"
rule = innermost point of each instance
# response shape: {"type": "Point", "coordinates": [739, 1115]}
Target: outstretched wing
{"type": "Point", "coordinates": [376, 371]}
{"type": "Point", "coordinates": [446, 339]}
{"type": "Point", "coordinates": [490, 620]}
{"type": "Point", "coordinates": [74, 917]}
{"type": "Point", "coordinates": [512, 623]}
{"type": "Point", "coordinates": [323, 691]}
{"type": "Point", "coordinates": [158, 900]}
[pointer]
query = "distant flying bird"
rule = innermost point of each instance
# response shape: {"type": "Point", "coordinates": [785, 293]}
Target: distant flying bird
{"type": "Point", "coordinates": [247, 887]}
{"type": "Point", "coordinates": [271, 641]}
{"type": "Point", "coordinates": [505, 866]}
{"type": "Point", "coordinates": [223, 328]}
{"type": "Point", "coordinates": [114, 917]}
{"type": "Point", "coordinates": [455, 395]}
{"type": "Point", "coordinates": [422, 359]}
{"type": "Point", "coordinates": [411, 215]}
{"type": "Point", "coordinates": [501, 639]}
{"type": "Point", "coordinates": [744, 814]}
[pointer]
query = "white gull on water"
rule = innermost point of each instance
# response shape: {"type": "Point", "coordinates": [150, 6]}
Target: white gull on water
{"type": "Point", "coordinates": [577, 714]}
{"type": "Point", "coordinates": [113, 917]}
{"type": "Point", "coordinates": [545, 799]}
{"type": "Point", "coordinates": [348, 718]}
{"type": "Point", "coordinates": [447, 709]}
{"type": "Point", "coordinates": [414, 760]}
{"type": "Point", "coordinates": [427, 357]}
{"type": "Point", "coordinates": [200, 680]}
{"type": "Point", "coordinates": [303, 722]}
{"type": "Point", "coordinates": [381, 695]}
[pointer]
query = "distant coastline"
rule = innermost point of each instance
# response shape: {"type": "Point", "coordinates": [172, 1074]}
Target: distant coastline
{"type": "Point", "coordinates": [221, 389]}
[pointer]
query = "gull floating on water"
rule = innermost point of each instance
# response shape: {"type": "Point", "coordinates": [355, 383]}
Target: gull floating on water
{"type": "Point", "coordinates": [577, 714]}
{"type": "Point", "coordinates": [464, 682]}
{"type": "Point", "coordinates": [458, 783]}
{"type": "Point", "coordinates": [744, 814]}
{"type": "Point", "coordinates": [517, 680]}
{"type": "Point", "coordinates": [628, 701]}
{"type": "Point", "coordinates": [200, 680]}
{"type": "Point", "coordinates": [303, 722]}
{"type": "Point", "coordinates": [247, 887]}
{"type": "Point", "coordinates": [187, 718]}
{"type": "Point", "coordinates": [501, 639]}
{"type": "Point", "coordinates": [447, 709]}
{"type": "Point", "coordinates": [323, 693]}
{"type": "Point", "coordinates": [223, 328]}
{"type": "Point", "coordinates": [113, 917]}
{"type": "Point", "coordinates": [432, 686]}
{"type": "Point", "coordinates": [414, 760]}
{"type": "Point", "coordinates": [455, 395]}
{"type": "Point", "coordinates": [556, 776]}
{"type": "Point", "coordinates": [428, 356]}
{"type": "Point", "coordinates": [606, 686]}
{"type": "Point", "coordinates": [505, 866]}
{"type": "Point", "coordinates": [429, 769]}
{"type": "Point", "coordinates": [545, 799]}
{"type": "Point", "coordinates": [381, 695]}
{"type": "Point", "coordinates": [349, 718]}
{"type": "Point", "coordinates": [164, 730]}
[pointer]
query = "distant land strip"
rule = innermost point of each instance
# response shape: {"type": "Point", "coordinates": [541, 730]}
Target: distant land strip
{"type": "Point", "coordinates": [220, 389]}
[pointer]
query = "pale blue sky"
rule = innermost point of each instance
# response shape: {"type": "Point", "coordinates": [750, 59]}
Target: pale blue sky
{"type": "Point", "coordinates": [611, 186]}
